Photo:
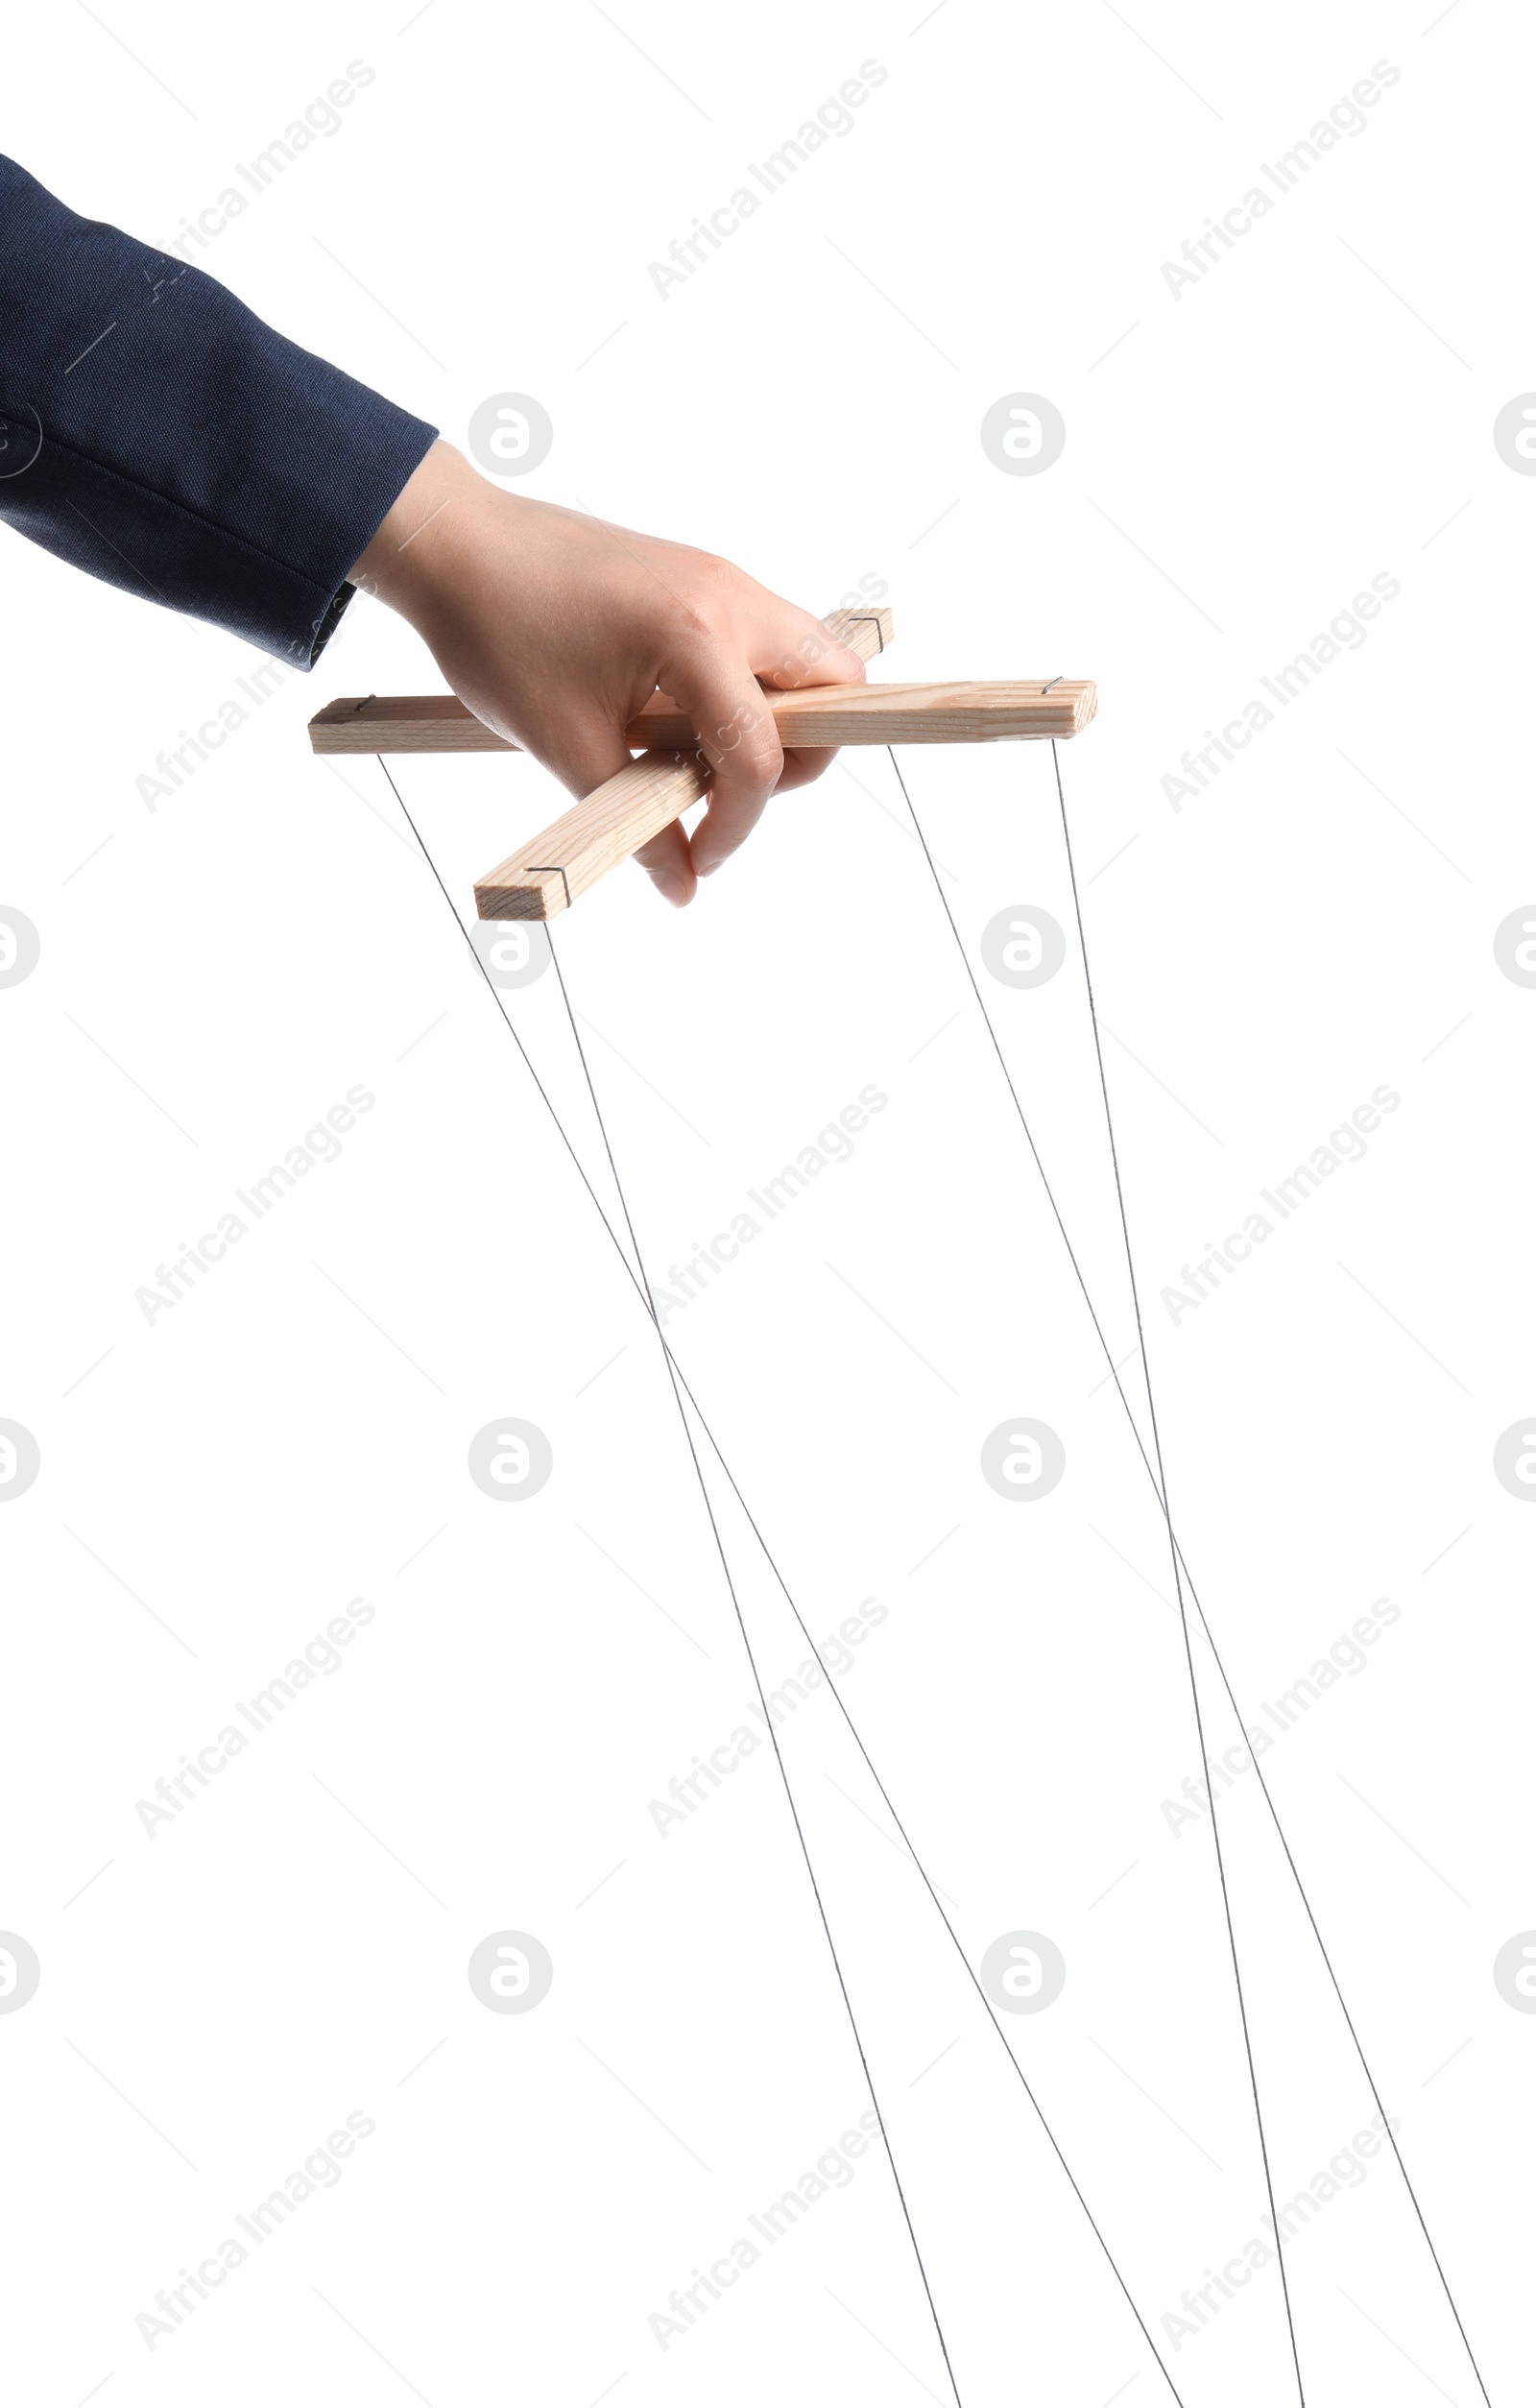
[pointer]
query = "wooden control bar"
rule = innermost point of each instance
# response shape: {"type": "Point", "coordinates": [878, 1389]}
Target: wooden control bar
{"type": "Point", "coordinates": [609, 825]}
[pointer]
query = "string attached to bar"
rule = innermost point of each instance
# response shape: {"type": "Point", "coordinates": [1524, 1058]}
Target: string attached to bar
{"type": "Point", "coordinates": [1184, 1584]}
{"type": "Point", "coordinates": [681, 1383]}
{"type": "Point", "coordinates": [1183, 1580]}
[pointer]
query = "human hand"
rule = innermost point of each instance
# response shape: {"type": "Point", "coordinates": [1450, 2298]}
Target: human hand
{"type": "Point", "coordinates": [555, 629]}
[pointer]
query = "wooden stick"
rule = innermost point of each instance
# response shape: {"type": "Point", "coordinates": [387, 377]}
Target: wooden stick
{"type": "Point", "coordinates": [953, 713]}
{"type": "Point", "coordinates": [592, 838]}
{"type": "Point", "coordinates": [439, 723]}
{"type": "Point", "coordinates": [949, 714]}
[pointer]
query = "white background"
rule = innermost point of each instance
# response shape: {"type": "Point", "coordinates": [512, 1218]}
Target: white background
{"type": "Point", "coordinates": [1240, 460]}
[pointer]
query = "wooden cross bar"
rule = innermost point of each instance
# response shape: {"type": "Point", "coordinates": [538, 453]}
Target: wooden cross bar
{"type": "Point", "coordinates": [546, 876]}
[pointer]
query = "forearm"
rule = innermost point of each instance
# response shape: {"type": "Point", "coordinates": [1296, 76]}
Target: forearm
{"type": "Point", "coordinates": [158, 434]}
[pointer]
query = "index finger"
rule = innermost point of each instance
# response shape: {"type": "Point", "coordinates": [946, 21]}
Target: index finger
{"type": "Point", "coordinates": [783, 647]}
{"type": "Point", "coordinates": [733, 723]}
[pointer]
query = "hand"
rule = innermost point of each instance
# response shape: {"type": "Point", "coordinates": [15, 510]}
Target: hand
{"type": "Point", "coordinates": [555, 629]}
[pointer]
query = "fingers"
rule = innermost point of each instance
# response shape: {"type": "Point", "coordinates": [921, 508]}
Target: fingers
{"type": "Point", "coordinates": [585, 758]}
{"type": "Point", "coordinates": [670, 864]}
{"type": "Point", "coordinates": [804, 654]}
{"type": "Point", "coordinates": [813, 661]}
{"type": "Point", "coordinates": [668, 858]}
{"type": "Point", "coordinates": [786, 646]}
{"type": "Point", "coordinates": [800, 767]}
{"type": "Point", "coordinates": [715, 687]}
{"type": "Point", "coordinates": [749, 635]}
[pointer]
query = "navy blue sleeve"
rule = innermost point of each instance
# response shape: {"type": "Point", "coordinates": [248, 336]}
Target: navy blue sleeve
{"type": "Point", "coordinates": [155, 432]}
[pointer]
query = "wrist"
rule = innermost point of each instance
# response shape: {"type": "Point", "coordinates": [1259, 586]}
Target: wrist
{"type": "Point", "coordinates": [413, 556]}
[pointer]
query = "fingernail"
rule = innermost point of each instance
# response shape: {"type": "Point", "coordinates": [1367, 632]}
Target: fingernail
{"type": "Point", "coordinates": [669, 884]}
